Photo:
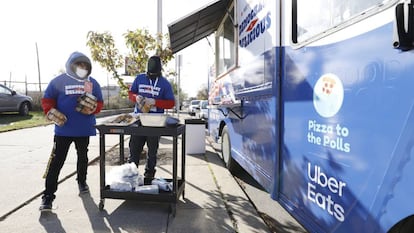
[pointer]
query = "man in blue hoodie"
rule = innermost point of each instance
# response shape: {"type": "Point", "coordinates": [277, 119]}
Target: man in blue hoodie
{"type": "Point", "coordinates": [71, 101]}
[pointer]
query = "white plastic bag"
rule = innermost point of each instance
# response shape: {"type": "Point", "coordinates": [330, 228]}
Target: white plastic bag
{"type": "Point", "coordinates": [124, 177]}
{"type": "Point", "coordinates": [121, 186]}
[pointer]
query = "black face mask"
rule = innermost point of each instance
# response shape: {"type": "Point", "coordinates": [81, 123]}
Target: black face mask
{"type": "Point", "coordinates": [152, 76]}
{"type": "Point", "coordinates": [154, 67]}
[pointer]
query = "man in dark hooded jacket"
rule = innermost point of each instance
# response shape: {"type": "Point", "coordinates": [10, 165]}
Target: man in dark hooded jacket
{"type": "Point", "coordinates": [152, 94]}
{"type": "Point", "coordinates": [71, 101]}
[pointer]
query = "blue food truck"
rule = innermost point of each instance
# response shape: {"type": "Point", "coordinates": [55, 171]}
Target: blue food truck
{"type": "Point", "coordinates": [315, 100]}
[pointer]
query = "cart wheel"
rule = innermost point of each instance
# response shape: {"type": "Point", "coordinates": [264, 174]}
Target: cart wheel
{"type": "Point", "coordinates": [173, 209]}
{"type": "Point", "coordinates": [101, 205]}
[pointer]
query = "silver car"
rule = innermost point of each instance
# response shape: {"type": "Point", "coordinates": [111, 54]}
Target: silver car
{"type": "Point", "coordinates": [202, 110]}
{"type": "Point", "coordinates": [11, 101]}
{"type": "Point", "coordinates": [193, 107]}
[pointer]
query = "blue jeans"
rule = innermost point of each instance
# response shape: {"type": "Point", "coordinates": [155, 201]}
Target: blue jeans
{"type": "Point", "coordinates": [136, 145]}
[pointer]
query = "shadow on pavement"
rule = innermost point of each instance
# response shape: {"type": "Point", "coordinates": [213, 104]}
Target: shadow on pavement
{"type": "Point", "coordinates": [51, 222]}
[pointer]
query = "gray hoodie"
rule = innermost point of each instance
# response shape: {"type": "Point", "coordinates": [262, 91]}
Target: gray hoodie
{"type": "Point", "coordinates": [74, 58]}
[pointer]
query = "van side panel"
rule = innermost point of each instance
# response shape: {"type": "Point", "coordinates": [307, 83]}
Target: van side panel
{"type": "Point", "coordinates": [348, 148]}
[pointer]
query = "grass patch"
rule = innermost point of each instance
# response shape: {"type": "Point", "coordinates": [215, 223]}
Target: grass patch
{"type": "Point", "coordinates": [13, 121]}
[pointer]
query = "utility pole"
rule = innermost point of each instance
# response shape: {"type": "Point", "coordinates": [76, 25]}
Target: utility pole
{"type": "Point", "coordinates": [159, 16]}
{"type": "Point", "coordinates": [159, 25]}
{"type": "Point", "coordinates": [107, 92]}
{"type": "Point", "coordinates": [25, 84]}
{"type": "Point", "coordinates": [178, 61]}
{"type": "Point", "coordinates": [38, 69]}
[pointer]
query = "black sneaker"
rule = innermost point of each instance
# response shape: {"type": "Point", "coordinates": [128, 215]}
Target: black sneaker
{"type": "Point", "coordinates": [83, 187]}
{"type": "Point", "coordinates": [149, 174]}
{"type": "Point", "coordinates": [46, 204]}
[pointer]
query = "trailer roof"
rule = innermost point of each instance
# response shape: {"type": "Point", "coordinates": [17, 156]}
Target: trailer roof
{"type": "Point", "coordinates": [197, 25]}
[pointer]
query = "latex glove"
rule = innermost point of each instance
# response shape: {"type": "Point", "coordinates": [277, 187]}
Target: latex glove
{"type": "Point", "coordinates": [149, 101]}
{"type": "Point", "coordinates": [141, 104]}
{"type": "Point", "coordinates": [56, 116]}
{"type": "Point", "coordinates": [139, 99]}
{"type": "Point", "coordinates": [148, 104]}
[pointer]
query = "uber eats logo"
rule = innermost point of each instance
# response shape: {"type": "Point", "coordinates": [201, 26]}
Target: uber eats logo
{"type": "Point", "coordinates": [323, 190]}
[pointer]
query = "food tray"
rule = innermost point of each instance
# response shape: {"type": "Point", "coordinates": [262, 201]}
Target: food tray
{"type": "Point", "coordinates": [121, 120]}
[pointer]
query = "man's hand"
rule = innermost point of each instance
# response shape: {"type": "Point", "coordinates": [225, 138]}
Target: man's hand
{"type": "Point", "coordinates": [139, 99]}
{"type": "Point", "coordinates": [86, 110]}
{"type": "Point", "coordinates": [144, 103]}
{"type": "Point", "coordinates": [87, 104]}
{"type": "Point", "coordinates": [141, 104]}
{"type": "Point", "coordinates": [56, 116]}
{"type": "Point", "coordinates": [149, 101]}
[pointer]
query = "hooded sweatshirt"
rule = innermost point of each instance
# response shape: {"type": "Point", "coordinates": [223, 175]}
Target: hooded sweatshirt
{"type": "Point", "coordinates": [62, 93]}
{"type": "Point", "coordinates": [153, 85]}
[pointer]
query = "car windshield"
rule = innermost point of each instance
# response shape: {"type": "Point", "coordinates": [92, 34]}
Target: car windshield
{"type": "Point", "coordinates": [4, 90]}
{"type": "Point", "coordinates": [195, 102]}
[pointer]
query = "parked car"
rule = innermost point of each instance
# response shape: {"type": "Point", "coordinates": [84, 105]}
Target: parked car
{"type": "Point", "coordinates": [202, 110]}
{"type": "Point", "coordinates": [11, 101]}
{"type": "Point", "coordinates": [192, 107]}
{"type": "Point", "coordinates": [184, 106]}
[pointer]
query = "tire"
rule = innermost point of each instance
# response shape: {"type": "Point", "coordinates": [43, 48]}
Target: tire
{"type": "Point", "coordinates": [404, 226]}
{"type": "Point", "coordinates": [24, 109]}
{"type": "Point", "coordinates": [230, 163]}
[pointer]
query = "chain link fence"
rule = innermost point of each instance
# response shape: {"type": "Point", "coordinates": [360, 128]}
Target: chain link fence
{"type": "Point", "coordinates": [110, 94]}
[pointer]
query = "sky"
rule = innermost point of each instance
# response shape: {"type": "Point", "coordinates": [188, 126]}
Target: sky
{"type": "Point", "coordinates": [59, 27]}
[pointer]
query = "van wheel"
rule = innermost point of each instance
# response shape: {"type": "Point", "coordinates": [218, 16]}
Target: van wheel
{"type": "Point", "coordinates": [231, 164]}
{"type": "Point", "coordinates": [404, 226]}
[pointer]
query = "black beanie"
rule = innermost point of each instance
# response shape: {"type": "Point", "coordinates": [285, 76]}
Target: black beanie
{"type": "Point", "coordinates": [154, 66]}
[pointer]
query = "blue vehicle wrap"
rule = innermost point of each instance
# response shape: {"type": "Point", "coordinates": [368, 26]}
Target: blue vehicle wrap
{"type": "Point", "coordinates": [327, 127]}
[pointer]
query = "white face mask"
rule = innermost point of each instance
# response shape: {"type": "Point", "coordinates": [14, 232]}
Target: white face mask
{"type": "Point", "coordinates": [81, 73]}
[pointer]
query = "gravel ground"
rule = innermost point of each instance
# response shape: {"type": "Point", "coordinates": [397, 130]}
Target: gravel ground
{"type": "Point", "coordinates": [112, 157]}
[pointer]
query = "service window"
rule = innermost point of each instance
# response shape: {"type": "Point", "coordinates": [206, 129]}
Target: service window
{"type": "Point", "coordinates": [308, 22]}
{"type": "Point", "coordinates": [225, 44]}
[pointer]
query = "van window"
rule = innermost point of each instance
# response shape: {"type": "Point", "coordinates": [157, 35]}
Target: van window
{"type": "Point", "coordinates": [225, 46]}
{"type": "Point", "coordinates": [330, 14]}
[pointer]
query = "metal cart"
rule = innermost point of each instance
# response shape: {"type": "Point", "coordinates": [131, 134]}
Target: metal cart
{"type": "Point", "coordinates": [136, 129]}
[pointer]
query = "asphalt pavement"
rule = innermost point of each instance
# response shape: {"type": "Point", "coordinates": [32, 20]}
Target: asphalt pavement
{"type": "Point", "coordinates": [212, 202]}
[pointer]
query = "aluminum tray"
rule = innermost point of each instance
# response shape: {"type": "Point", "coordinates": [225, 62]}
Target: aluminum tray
{"type": "Point", "coordinates": [121, 120]}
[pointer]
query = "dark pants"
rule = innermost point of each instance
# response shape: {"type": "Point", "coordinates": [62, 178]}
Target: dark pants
{"type": "Point", "coordinates": [136, 145]}
{"type": "Point", "coordinates": [59, 153]}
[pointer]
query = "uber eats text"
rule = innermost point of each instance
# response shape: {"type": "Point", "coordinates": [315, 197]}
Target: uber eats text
{"type": "Point", "coordinates": [324, 190]}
